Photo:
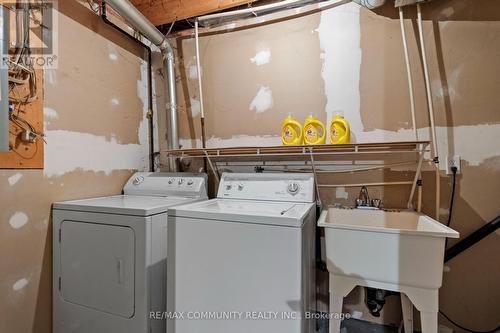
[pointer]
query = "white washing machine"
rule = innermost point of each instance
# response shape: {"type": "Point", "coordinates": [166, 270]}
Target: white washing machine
{"type": "Point", "coordinates": [110, 255]}
{"type": "Point", "coordinates": [244, 262]}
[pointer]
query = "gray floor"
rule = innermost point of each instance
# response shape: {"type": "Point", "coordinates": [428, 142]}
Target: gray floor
{"type": "Point", "coordinates": [358, 326]}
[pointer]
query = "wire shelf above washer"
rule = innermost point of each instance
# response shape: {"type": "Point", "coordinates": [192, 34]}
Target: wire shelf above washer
{"type": "Point", "coordinates": [314, 155]}
{"type": "Point", "coordinates": [297, 151]}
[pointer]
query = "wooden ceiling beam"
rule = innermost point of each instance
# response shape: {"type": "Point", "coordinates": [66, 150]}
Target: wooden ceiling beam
{"type": "Point", "coordinates": [166, 11]}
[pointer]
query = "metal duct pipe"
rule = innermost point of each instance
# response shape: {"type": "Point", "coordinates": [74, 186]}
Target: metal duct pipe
{"type": "Point", "coordinates": [146, 28]}
{"type": "Point", "coordinates": [370, 4]}
{"type": "Point", "coordinates": [4, 80]}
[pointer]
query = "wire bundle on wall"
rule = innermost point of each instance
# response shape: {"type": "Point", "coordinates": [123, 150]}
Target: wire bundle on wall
{"type": "Point", "coordinates": [22, 75]}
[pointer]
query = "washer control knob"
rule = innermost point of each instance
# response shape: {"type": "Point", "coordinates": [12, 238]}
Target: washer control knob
{"type": "Point", "coordinates": [138, 180]}
{"type": "Point", "coordinates": [293, 188]}
{"type": "Point", "coordinates": [241, 186]}
{"type": "Point", "coordinates": [181, 181]}
{"type": "Point", "coordinates": [229, 187]}
{"type": "Point", "coordinates": [170, 181]}
{"type": "Point", "coordinates": [190, 182]}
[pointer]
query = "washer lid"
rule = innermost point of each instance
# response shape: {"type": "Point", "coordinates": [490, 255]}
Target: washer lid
{"type": "Point", "coordinates": [124, 204]}
{"type": "Point", "coordinates": [246, 211]}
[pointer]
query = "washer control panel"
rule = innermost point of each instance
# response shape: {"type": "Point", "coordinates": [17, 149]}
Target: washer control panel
{"type": "Point", "coordinates": [167, 184]}
{"type": "Point", "coordinates": [268, 186]}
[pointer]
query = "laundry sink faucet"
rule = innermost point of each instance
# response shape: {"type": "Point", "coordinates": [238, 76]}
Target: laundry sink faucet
{"type": "Point", "coordinates": [363, 200]}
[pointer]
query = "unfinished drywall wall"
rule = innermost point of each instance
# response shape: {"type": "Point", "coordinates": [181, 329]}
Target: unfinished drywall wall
{"type": "Point", "coordinates": [350, 59]}
{"type": "Point", "coordinates": [250, 92]}
{"type": "Point", "coordinates": [97, 135]}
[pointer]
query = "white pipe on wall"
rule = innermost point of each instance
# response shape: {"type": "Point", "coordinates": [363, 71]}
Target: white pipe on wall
{"type": "Point", "coordinates": [198, 67]}
{"type": "Point", "coordinates": [200, 86]}
{"type": "Point", "coordinates": [427, 81]}
{"type": "Point", "coordinates": [408, 71]}
{"type": "Point", "coordinates": [431, 110]}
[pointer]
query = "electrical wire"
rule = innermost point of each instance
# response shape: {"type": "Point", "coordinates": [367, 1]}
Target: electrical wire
{"type": "Point", "coordinates": [21, 71]}
{"type": "Point", "coordinates": [454, 170]}
{"type": "Point", "coordinates": [465, 328]}
{"type": "Point", "coordinates": [170, 29]}
{"type": "Point", "coordinates": [26, 126]}
{"type": "Point", "coordinates": [22, 76]}
{"type": "Point", "coordinates": [452, 198]}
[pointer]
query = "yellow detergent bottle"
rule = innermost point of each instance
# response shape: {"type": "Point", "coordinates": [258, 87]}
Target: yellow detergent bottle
{"type": "Point", "coordinates": [291, 132]}
{"type": "Point", "coordinates": [340, 131]}
{"type": "Point", "coordinates": [314, 131]}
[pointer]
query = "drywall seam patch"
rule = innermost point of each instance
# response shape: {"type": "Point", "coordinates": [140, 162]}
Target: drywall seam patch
{"type": "Point", "coordinates": [263, 101]}
{"type": "Point", "coordinates": [115, 101]}
{"type": "Point", "coordinates": [234, 141]}
{"type": "Point", "coordinates": [262, 57]}
{"type": "Point", "coordinates": [192, 72]}
{"type": "Point", "coordinates": [341, 193]}
{"type": "Point", "coordinates": [244, 140]}
{"type": "Point", "coordinates": [339, 34]}
{"type": "Point", "coordinates": [113, 52]}
{"type": "Point", "coordinates": [50, 76]}
{"type": "Point", "coordinates": [143, 131]}
{"type": "Point", "coordinates": [195, 107]}
{"type": "Point", "coordinates": [18, 220]}
{"type": "Point", "coordinates": [453, 81]}
{"type": "Point", "coordinates": [14, 178]}
{"type": "Point", "coordinates": [50, 113]}
{"type": "Point", "coordinates": [20, 284]}
{"type": "Point", "coordinates": [68, 151]}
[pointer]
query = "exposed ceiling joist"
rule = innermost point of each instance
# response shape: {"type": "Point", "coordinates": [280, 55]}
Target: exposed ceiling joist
{"type": "Point", "coordinates": [166, 11]}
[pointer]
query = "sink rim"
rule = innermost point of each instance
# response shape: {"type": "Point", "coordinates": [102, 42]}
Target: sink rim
{"type": "Point", "coordinates": [441, 229]}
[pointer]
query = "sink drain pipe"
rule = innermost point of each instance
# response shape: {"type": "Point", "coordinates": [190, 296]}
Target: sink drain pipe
{"type": "Point", "coordinates": [138, 21]}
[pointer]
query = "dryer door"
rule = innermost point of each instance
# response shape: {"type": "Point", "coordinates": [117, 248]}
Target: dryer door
{"type": "Point", "coordinates": [97, 266]}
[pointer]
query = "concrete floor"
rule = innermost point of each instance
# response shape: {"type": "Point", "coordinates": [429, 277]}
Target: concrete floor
{"type": "Point", "coordinates": [358, 326]}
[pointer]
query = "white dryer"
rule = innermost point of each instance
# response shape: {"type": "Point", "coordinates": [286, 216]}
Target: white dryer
{"type": "Point", "coordinates": [244, 262]}
{"type": "Point", "coordinates": [109, 255]}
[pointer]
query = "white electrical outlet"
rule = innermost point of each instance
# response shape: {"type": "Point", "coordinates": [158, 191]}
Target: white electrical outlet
{"type": "Point", "coordinates": [452, 161]}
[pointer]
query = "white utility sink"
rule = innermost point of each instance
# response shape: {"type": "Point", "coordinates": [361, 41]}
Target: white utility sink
{"type": "Point", "coordinates": [393, 250]}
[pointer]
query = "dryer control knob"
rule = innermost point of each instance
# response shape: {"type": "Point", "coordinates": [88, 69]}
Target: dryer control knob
{"type": "Point", "coordinates": [138, 180]}
{"type": "Point", "coordinates": [293, 188]}
{"type": "Point", "coordinates": [190, 182]}
{"type": "Point", "coordinates": [170, 181]}
{"type": "Point", "coordinates": [181, 181]}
